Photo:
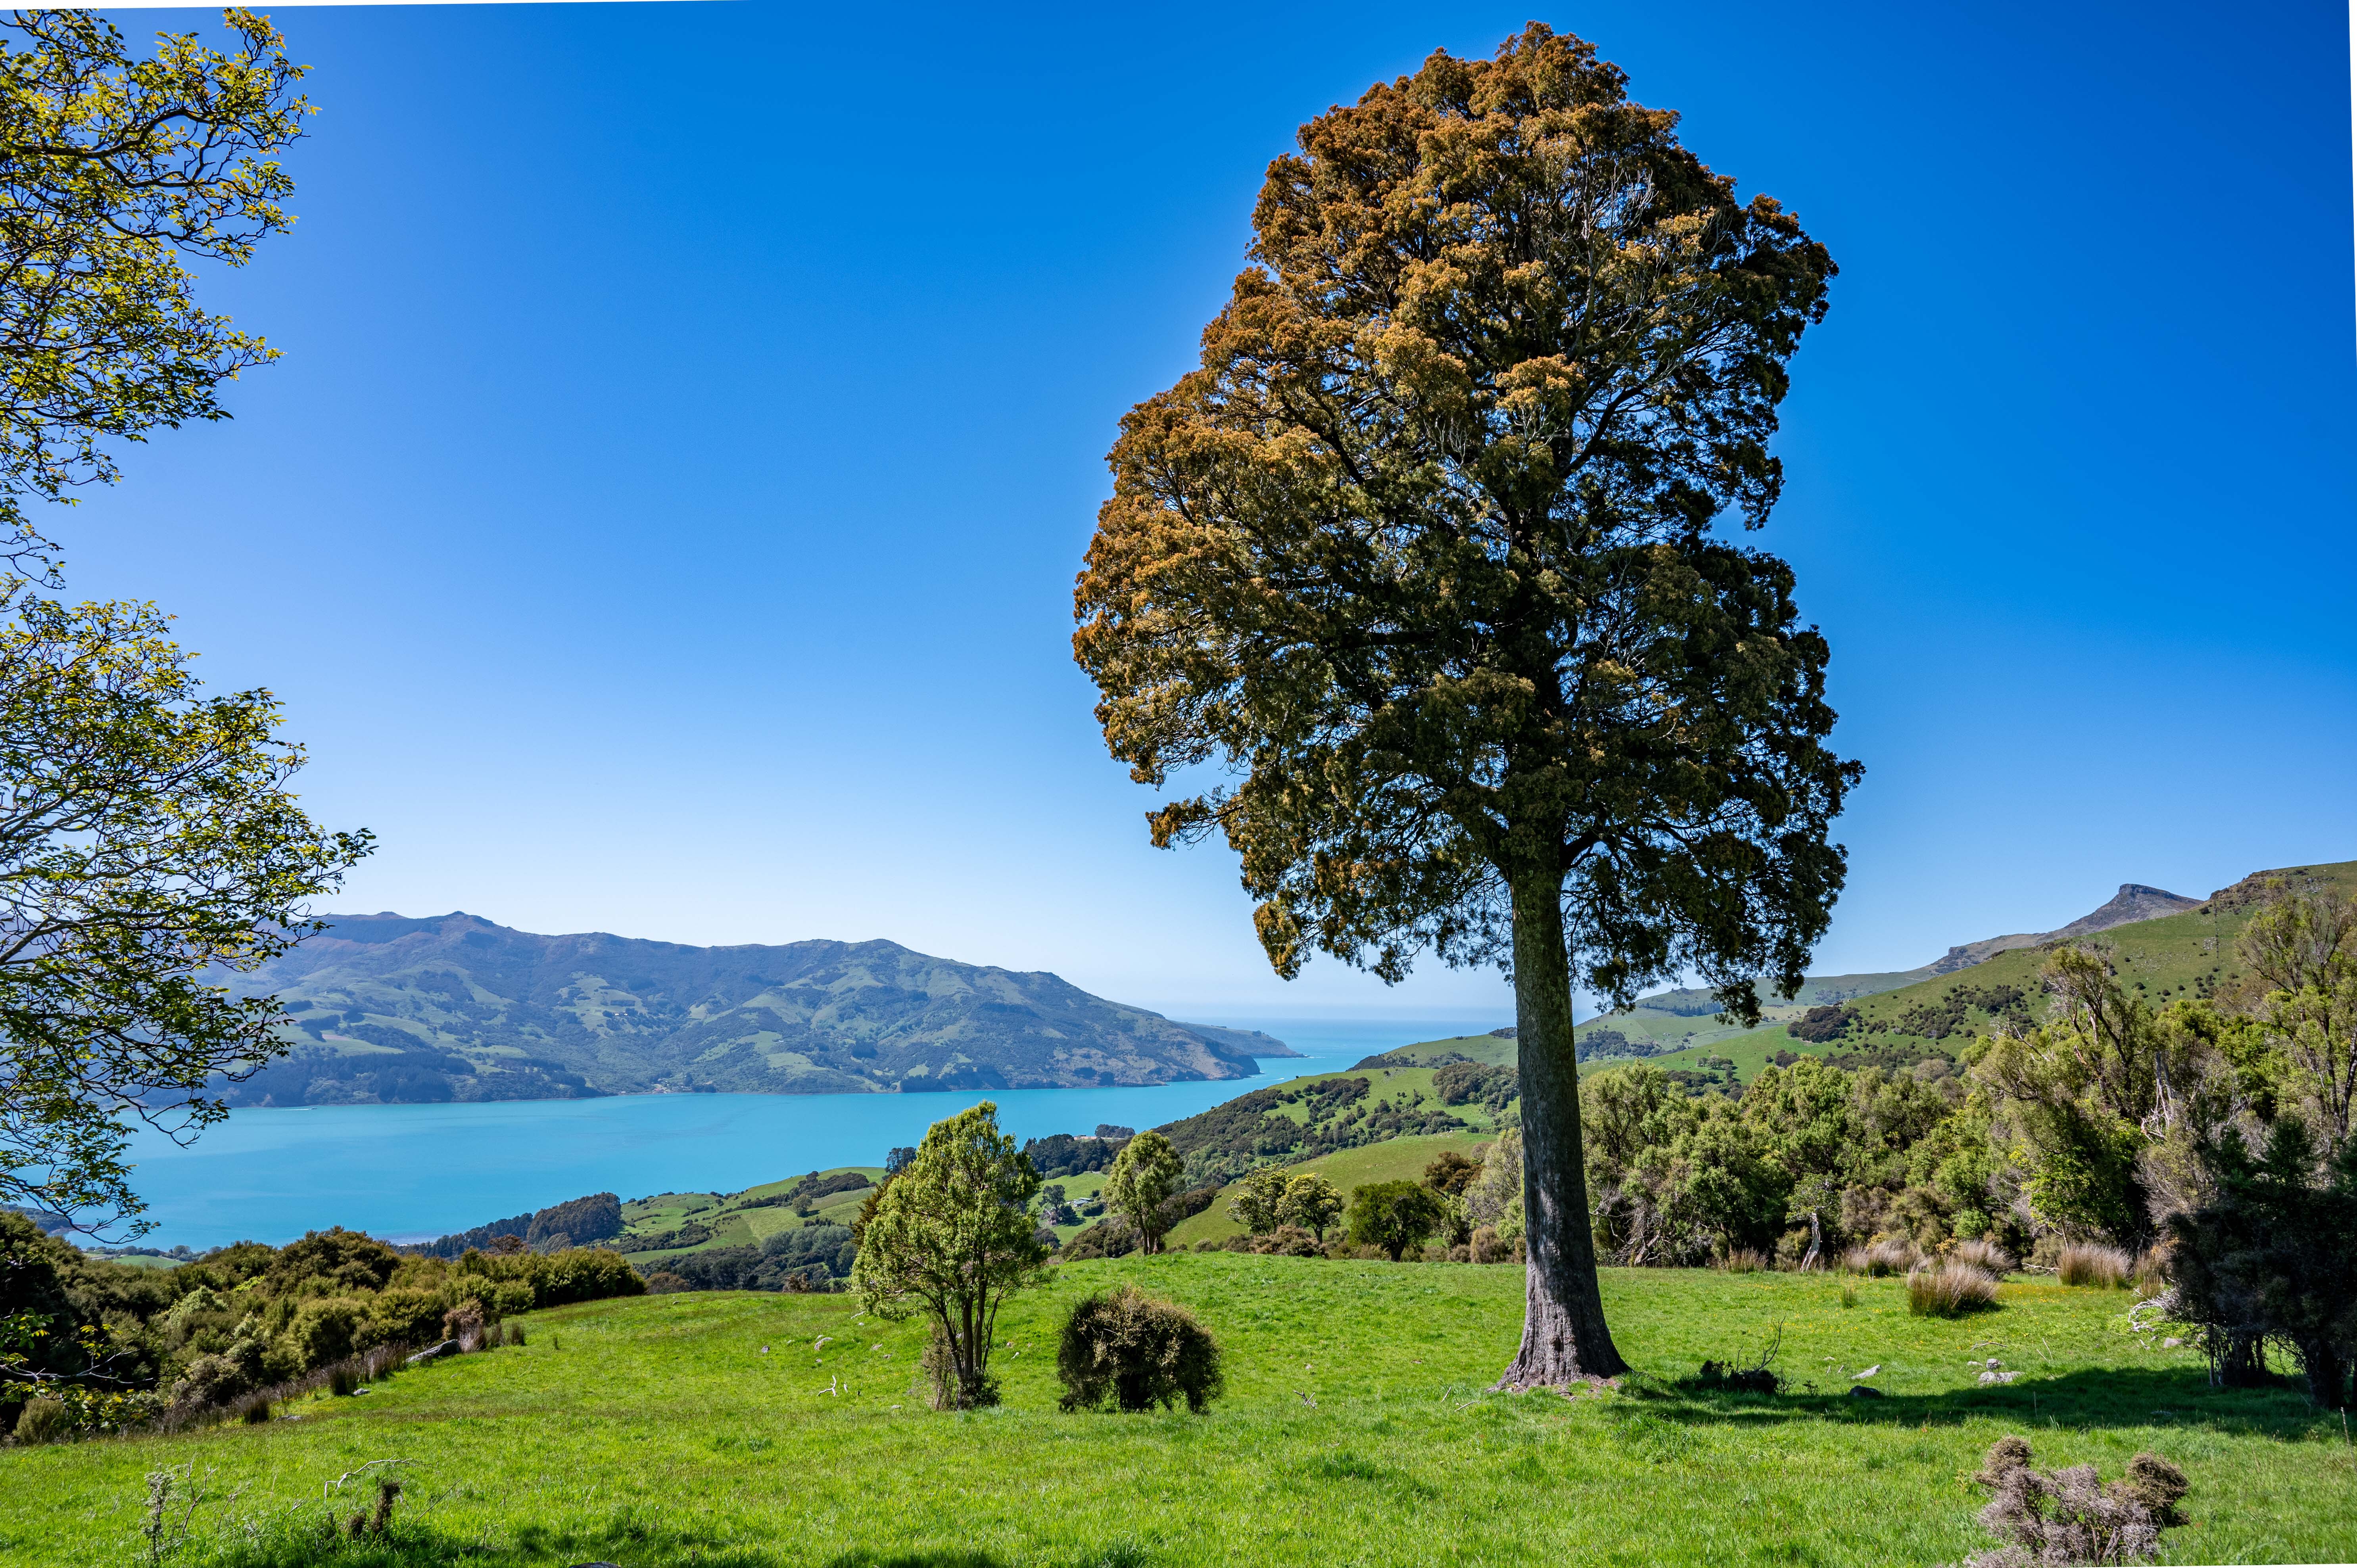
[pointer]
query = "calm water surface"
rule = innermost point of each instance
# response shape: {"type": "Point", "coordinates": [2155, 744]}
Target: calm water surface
{"type": "Point", "coordinates": [427, 1170]}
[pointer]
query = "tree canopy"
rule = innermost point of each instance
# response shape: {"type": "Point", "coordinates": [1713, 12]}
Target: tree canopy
{"type": "Point", "coordinates": [1426, 554]}
{"type": "Point", "coordinates": [114, 171]}
{"type": "Point", "coordinates": [1146, 1175]}
{"type": "Point", "coordinates": [148, 845]}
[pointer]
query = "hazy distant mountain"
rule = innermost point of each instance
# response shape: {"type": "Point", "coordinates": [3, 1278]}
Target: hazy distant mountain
{"type": "Point", "coordinates": [456, 1007]}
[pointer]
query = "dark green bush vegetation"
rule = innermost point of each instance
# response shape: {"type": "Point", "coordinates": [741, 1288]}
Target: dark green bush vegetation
{"type": "Point", "coordinates": [118, 1346]}
{"type": "Point", "coordinates": [1137, 1351]}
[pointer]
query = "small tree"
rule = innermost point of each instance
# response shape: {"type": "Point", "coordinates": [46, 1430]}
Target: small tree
{"type": "Point", "coordinates": [951, 1238]}
{"type": "Point", "coordinates": [1147, 1175]}
{"type": "Point", "coordinates": [1395, 1216]}
{"type": "Point", "coordinates": [1451, 1172]}
{"type": "Point", "coordinates": [1259, 1207]}
{"type": "Point", "coordinates": [1312, 1202]}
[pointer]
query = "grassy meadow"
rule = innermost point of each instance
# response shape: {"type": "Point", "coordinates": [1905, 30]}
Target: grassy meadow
{"type": "Point", "coordinates": [1357, 1428]}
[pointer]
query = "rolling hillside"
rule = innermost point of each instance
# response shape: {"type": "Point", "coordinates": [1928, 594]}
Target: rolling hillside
{"type": "Point", "coordinates": [1691, 1021]}
{"type": "Point", "coordinates": [2187, 953]}
{"type": "Point", "coordinates": [380, 1008]}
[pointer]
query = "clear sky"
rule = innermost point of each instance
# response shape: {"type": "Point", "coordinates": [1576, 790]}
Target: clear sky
{"type": "Point", "coordinates": [664, 517]}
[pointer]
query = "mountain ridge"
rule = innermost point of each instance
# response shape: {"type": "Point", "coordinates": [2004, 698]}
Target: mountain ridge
{"type": "Point", "coordinates": [392, 1007]}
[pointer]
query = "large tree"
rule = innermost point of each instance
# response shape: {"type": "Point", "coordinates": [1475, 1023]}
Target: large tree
{"type": "Point", "coordinates": [1428, 552]}
{"type": "Point", "coordinates": [149, 848]}
{"type": "Point", "coordinates": [115, 171]}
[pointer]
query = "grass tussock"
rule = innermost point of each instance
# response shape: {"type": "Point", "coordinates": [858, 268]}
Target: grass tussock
{"type": "Point", "coordinates": [1950, 1290]}
{"type": "Point", "coordinates": [1746, 1261]}
{"type": "Point", "coordinates": [1882, 1259]}
{"type": "Point", "coordinates": [2085, 1264]}
{"type": "Point", "coordinates": [1986, 1256]}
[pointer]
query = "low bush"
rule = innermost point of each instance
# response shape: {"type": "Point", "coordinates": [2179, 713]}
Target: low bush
{"type": "Point", "coordinates": [2072, 1516]}
{"type": "Point", "coordinates": [1139, 1351]}
{"type": "Point", "coordinates": [1746, 1261]}
{"type": "Point", "coordinates": [2084, 1263]}
{"type": "Point", "coordinates": [1949, 1290]}
{"type": "Point", "coordinates": [1287, 1241]}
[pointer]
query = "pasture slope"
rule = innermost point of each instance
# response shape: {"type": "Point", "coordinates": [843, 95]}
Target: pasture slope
{"type": "Point", "coordinates": [1357, 1428]}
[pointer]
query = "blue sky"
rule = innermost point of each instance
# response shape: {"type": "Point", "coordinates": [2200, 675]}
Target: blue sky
{"type": "Point", "coordinates": [664, 519]}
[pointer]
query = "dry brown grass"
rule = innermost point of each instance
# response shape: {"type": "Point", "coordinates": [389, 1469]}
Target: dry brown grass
{"type": "Point", "coordinates": [1884, 1257]}
{"type": "Point", "coordinates": [1949, 1290]}
{"type": "Point", "coordinates": [1745, 1261]}
{"type": "Point", "coordinates": [1986, 1256]}
{"type": "Point", "coordinates": [2084, 1263]}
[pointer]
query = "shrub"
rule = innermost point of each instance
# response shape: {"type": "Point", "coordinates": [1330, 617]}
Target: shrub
{"type": "Point", "coordinates": [1287, 1241]}
{"type": "Point", "coordinates": [1986, 1256]}
{"type": "Point", "coordinates": [1487, 1248]}
{"type": "Point", "coordinates": [1949, 1290]}
{"type": "Point", "coordinates": [1142, 1351]}
{"type": "Point", "coordinates": [43, 1421]}
{"type": "Point", "coordinates": [663, 1282]}
{"type": "Point", "coordinates": [2083, 1263]}
{"type": "Point", "coordinates": [1746, 1261]}
{"type": "Point", "coordinates": [402, 1317]}
{"type": "Point", "coordinates": [323, 1331]}
{"type": "Point", "coordinates": [2072, 1516]}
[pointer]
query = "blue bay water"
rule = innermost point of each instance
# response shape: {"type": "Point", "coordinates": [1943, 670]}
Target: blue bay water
{"type": "Point", "coordinates": [428, 1170]}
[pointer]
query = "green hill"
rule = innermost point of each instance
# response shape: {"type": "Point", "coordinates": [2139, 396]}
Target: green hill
{"type": "Point", "coordinates": [2185, 954]}
{"type": "Point", "coordinates": [384, 1009]}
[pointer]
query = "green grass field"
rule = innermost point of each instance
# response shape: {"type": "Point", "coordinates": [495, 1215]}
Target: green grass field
{"type": "Point", "coordinates": [1357, 1428]}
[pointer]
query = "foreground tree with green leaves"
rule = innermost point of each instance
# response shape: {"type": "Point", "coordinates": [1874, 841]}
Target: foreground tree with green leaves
{"type": "Point", "coordinates": [148, 844]}
{"type": "Point", "coordinates": [114, 171]}
{"type": "Point", "coordinates": [1426, 551]}
{"type": "Point", "coordinates": [950, 1237]}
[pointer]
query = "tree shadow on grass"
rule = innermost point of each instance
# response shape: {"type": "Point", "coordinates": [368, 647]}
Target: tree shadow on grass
{"type": "Point", "coordinates": [627, 1541]}
{"type": "Point", "coordinates": [2095, 1398]}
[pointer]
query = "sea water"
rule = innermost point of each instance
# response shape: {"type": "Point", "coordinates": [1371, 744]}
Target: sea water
{"type": "Point", "coordinates": [409, 1172]}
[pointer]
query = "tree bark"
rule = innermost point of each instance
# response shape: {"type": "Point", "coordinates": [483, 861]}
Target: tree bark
{"type": "Point", "coordinates": [1564, 1335]}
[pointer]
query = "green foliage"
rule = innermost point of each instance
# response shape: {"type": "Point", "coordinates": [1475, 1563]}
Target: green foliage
{"type": "Point", "coordinates": [112, 171]}
{"type": "Point", "coordinates": [950, 1240]}
{"type": "Point", "coordinates": [1394, 1216]}
{"type": "Point", "coordinates": [1147, 1175]}
{"type": "Point", "coordinates": [2273, 1256]}
{"type": "Point", "coordinates": [1259, 1202]}
{"type": "Point", "coordinates": [118, 1344]}
{"type": "Point", "coordinates": [1137, 1351]}
{"type": "Point", "coordinates": [1310, 1202]}
{"type": "Point", "coordinates": [152, 847]}
{"type": "Point", "coordinates": [2302, 949]}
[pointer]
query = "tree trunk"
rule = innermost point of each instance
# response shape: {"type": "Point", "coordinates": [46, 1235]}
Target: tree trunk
{"type": "Point", "coordinates": [1564, 1335]}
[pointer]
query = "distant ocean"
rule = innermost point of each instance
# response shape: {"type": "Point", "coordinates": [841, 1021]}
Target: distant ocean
{"type": "Point", "coordinates": [415, 1171]}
